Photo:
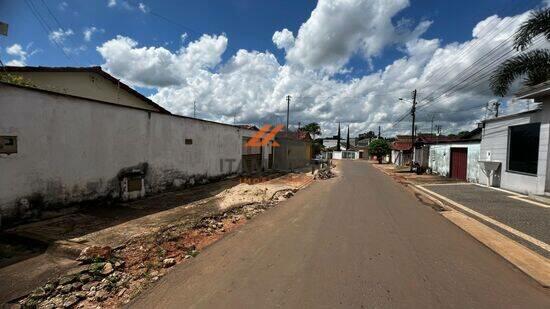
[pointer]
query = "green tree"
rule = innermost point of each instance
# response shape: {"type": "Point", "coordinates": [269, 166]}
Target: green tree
{"type": "Point", "coordinates": [369, 134]}
{"type": "Point", "coordinates": [313, 128]}
{"type": "Point", "coordinates": [379, 148]}
{"type": "Point", "coordinates": [533, 64]}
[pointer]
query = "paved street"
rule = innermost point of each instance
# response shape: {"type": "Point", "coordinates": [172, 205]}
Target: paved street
{"type": "Point", "coordinates": [355, 241]}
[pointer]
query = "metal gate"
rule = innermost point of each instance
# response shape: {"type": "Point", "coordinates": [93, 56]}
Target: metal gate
{"type": "Point", "coordinates": [459, 163]}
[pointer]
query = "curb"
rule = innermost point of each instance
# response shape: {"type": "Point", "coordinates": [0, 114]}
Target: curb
{"type": "Point", "coordinates": [529, 262]}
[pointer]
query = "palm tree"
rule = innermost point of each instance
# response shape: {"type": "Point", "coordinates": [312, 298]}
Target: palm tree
{"type": "Point", "coordinates": [533, 64]}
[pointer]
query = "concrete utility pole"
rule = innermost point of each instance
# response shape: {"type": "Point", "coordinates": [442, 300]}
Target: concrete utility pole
{"type": "Point", "coordinates": [287, 110]}
{"type": "Point", "coordinates": [432, 127]}
{"type": "Point", "coordinates": [338, 139]}
{"type": "Point", "coordinates": [378, 132]}
{"type": "Point", "coordinates": [194, 109]}
{"type": "Point", "coordinates": [347, 140]}
{"type": "Point", "coordinates": [497, 105]}
{"type": "Point", "coordinates": [413, 113]}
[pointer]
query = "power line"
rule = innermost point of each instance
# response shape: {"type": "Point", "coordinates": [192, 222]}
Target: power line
{"type": "Point", "coordinates": [47, 29]}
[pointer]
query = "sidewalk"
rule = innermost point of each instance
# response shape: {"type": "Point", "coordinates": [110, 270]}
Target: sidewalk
{"type": "Point", "coordinates": [195, 217]}
{"type": "Point", "coordinates": [524, 223]}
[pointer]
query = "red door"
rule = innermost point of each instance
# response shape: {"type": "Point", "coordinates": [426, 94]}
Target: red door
{"type": "Point", "coordinates": [459, 161]}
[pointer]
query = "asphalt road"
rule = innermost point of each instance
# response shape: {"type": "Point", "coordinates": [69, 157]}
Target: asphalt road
{"type": "Point", "coordinates": [355, 241]}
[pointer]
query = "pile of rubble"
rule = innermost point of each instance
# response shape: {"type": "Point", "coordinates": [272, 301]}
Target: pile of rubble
{"type": "Point", "coordinates": [110, 278]}
{"type": "Point", "coordinates": [324, 174]}
{"type": "Point", "coordinates": [100, 275]}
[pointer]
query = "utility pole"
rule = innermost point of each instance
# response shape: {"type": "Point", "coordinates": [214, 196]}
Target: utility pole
{"type": "Point", "coordinates": [194, 109]}
{"type": "Point", "coordinates": [432, 127]}
{"type": "Point", "coordinates": [413, 113]}
{"type": "Point", "coordinates": [338, 139]}
{"type": "Point", "coordinates": [299, 124]}
{"type": "Point", "coordinates": [497, 105]}
{"type": "Point", "coordinates": [287, 110]}
{"type": "Point", "coordinates": [378, 132]}
{"type": "Point", "coordinates": [347, 140]}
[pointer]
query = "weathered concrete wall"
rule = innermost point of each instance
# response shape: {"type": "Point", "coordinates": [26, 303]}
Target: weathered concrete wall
{"type": "Point", "coordinates": [71, 150]}
{"type": "Point", "coordinates": [440, 159]}
{"type": "Point", "coordinates": [84, 84]}
{"type": "Point", "coordinates": [494, 141]}
{"type": "Point", "coordinates": [291, 154]}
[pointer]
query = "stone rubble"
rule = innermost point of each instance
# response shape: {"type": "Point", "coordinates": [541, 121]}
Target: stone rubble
{"type": "Point", "coordinates": [108, 277]}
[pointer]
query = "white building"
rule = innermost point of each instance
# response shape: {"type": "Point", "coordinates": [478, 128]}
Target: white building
{"type": "Point", "coordinates": [58, 148]}
{"type": "Point", "coordinates": [518, 146]}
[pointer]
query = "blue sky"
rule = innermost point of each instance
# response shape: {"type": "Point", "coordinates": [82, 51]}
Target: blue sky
{"type": "Point", "coordinates": [248, 25]}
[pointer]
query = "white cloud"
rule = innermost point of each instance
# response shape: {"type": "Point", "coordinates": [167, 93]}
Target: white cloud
{"type": "Point", "coordinates": [546, 3]}
{"type": "Point", "coordinates": [59, 36]}
{"type": "Point", "coordinates": [157, 66]}
{"type": "Point", "coordinates": [17, 51]}
{"type": "Point", "coordinates": [183, 37]}
{"type": "Point", "coordinates": [89, 32]}
{"type": "Point", "coordinates": [338, 29]}
{"type": "Point", "coordinates": [252, 85]}
{"type": "Point", "coordinates": [142, 7]}
{"type": "Point", "coordinates": [111, 3]}
{"type": "Point", "coordinates": [283, 39]}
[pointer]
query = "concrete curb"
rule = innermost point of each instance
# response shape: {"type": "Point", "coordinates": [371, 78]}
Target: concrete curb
{"type": "Point", "coordinates": [529, 262]}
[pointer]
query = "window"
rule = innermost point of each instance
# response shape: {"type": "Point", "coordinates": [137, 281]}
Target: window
{"type": "Point", "coordinates": [188, 141]}
{"type": "Point", "coordinates": [523, 148]}
{"type": "Point", "coordinates": [8, 144]}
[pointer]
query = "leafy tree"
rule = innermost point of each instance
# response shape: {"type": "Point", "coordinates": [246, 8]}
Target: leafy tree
{"type": "Point", "coordinates": [313, 128]}
{"type": "Point", "coordinates": [463, 133]}
{"type": "Point", "coordinates": [369, 134]}
{"type": "Point", "coordinates": [533, 64]}
{"type": "Point", "coordinates": [379, 148]}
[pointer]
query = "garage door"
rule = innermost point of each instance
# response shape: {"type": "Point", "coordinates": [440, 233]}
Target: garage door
{"type": "Point", "coordinates": [459, 161]}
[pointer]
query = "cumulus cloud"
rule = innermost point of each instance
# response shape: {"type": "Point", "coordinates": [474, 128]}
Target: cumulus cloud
{"type": "Point", "coordinates": [59, 36]}
{"type": "Point", "coordinates": [283, 39]}
{"type": "Point", "coordinates": [251, 85]}
{"type": "Point", "coordinates": [337, 29]}
{"type": "Point", "coordinates": [157, 66]}
{"type": "Point", "coordinates": [111, 3]}
{"type": "Point", "coordinates": [19, 53]}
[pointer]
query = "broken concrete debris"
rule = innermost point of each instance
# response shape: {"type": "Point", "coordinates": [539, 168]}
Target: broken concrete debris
{"type": "Point", "coordinates": [95, 253]}
{"type": "Point", "coordinates": [111, 277]}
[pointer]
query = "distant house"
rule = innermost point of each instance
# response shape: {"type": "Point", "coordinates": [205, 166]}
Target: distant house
{"type": "Point", "coordinates": [401, 150]}
{"type": "Point", "coordinates": [454, 157]}
{"type": "Point", "coordinates": [85, 82]}
{"type": "Point", "coordinates": [331, 142]}
{"type": "Point", "coordinates": [255, 159]}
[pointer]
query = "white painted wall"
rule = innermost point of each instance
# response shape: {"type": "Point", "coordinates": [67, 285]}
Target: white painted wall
{"type": "Point", "coordinates": [440, 159]}
{"type": "Point", "coordinates": [495, 141]}
{"type": "Point", "coordinates": [71, 149]}
{"type": "Point", "coordinates": [86, 85]}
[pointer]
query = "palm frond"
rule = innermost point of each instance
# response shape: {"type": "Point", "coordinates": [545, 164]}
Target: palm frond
{"type": "Point", "coordinates": [534, 65]}
{"type": "Point", "coordinates": [537, 24]}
